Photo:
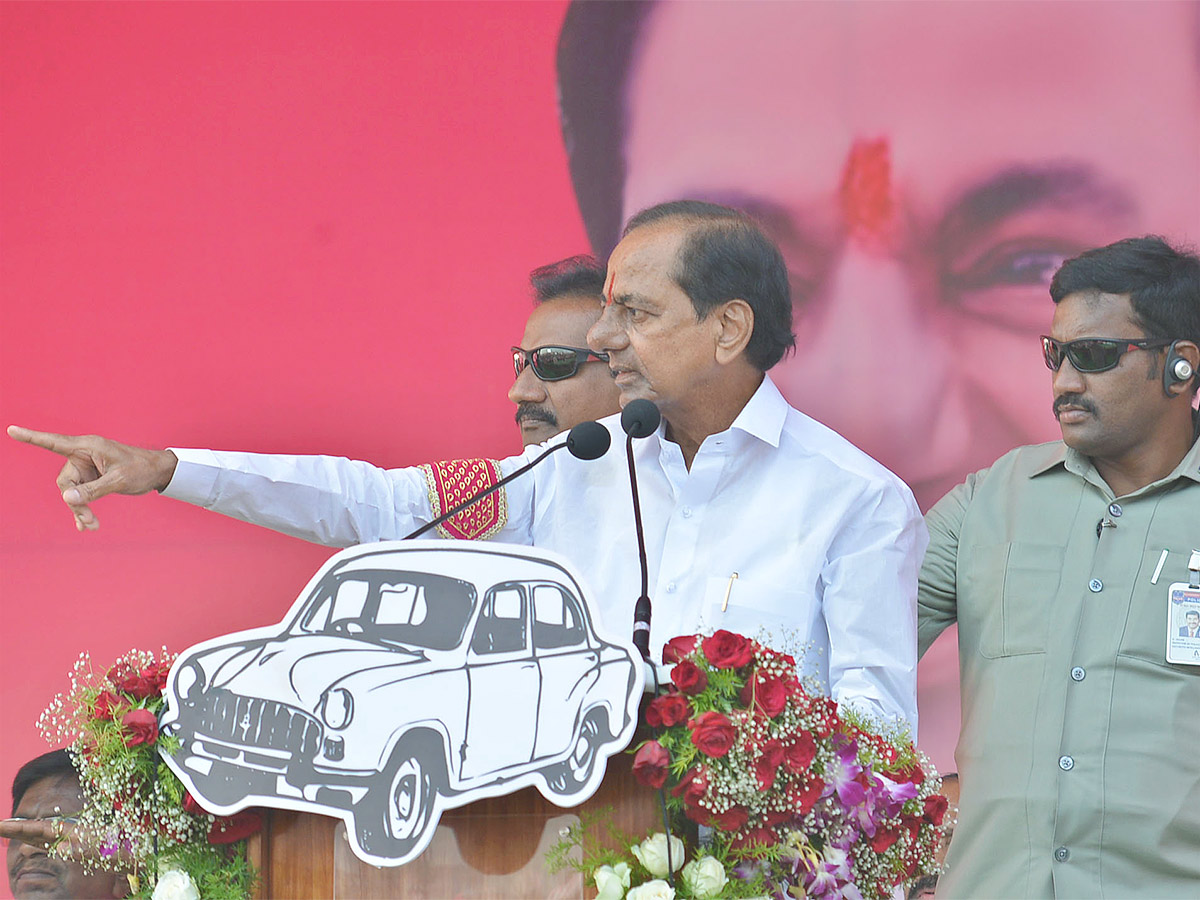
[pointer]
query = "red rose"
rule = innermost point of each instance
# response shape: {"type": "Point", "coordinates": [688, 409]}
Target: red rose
{"type": "Point", "coordinates": [805, 797]}
{"type": "Point", "coordinates": [691, 787]}
{"type": "Point", "coordinates": [883, 839]}
{"type": "Point", "coordinates": [767, 764]}
{"type": "Point", "coordinates": [800, 755]}
{"type": "Point", "coordinates": [689, 677]}
{"type": "Point", "coordinates": [190, 804]}
{"type": "Point", "coordinates": [650, 764]}
{"type": "Point", "coordinates": [239, 826]}
{"type": "Point", "coordinates": [777, 816]}
{"type": "Point", "coordinates": [731, 820]}
{"type": "Point", "coordinates": [712, 733]}
{"type": "Point", "coordinates": [913, 773]}
{"type": "Point", "coordinates": [138, 726]}
{"type": "Point", "coordinates": [767, 694]}
{"type": "Point", "coordinates": [677, 648]}
{"type": "Point", "coordinates": [935, 808]}
{"type": "Point", "coordinates": [155, 676]}
{"type": "Point", "coordinates": [757, 837]}
{"type": "Point", "coordinates": [667, 710]}
{"type": "Point", "coordinates": [107, 705]}
{"type": "Point", "coordinates": [726, 650]}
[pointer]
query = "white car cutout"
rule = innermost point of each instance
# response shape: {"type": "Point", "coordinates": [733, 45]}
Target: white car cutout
{"type": "Point", "coordinates": [408, 678]}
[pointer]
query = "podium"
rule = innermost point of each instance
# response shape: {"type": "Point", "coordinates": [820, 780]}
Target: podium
{"type": "Point", "coordinates": [493, 848]}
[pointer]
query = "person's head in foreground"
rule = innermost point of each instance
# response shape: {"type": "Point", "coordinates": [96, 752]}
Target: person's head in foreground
{"type": "Point", "coordinates": [924, 167]}
{"type": "Point", "coordinates": [47, 787]}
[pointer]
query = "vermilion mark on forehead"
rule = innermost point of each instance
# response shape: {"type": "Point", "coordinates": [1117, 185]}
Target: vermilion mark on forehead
{"type": "Point", "coordinates": [609, 296]}
{"type": "Point", "coordinates": [865, 192]}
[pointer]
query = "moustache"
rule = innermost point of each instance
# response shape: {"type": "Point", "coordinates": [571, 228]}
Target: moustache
{"type": "Point", "coordinates": [1077, 400]}
{"type": "Point", "coordinates": [531, 412]}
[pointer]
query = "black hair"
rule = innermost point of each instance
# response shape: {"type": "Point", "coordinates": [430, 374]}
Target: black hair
{"type": "Point", "coordinates": [48, 765]}
{"type": "Point", "coordinates": [725, 255]}
{"type": "Point", "coordinates": [595, 49]}
{"type": "Point", "coordinates": [572, 276]}
{"type": "Point", "coordinates": [1163, 284]}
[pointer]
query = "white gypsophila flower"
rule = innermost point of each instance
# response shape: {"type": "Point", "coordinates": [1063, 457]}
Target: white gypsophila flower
{"type": "Point", "coordinates": [652, 853]}
{"type": "Point", "coordinates": [704, 877]}
{"type": "Point", "coordinates": [652, 890]}
{"type": "Point", "coordinates": [611, 881]}
{"type": "Point", "coordinates": [175, 885]}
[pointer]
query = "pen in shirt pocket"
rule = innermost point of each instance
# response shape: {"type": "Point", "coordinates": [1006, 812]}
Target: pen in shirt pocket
{"type": "Point", "coordinates": [728, 591]}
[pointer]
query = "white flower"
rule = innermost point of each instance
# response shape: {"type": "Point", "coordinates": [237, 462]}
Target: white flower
{"type": "Point", "coordinates": [652, 890]}
{"type": "Point", "coordinates": [652, 853]}
{"type": "Point", "coordinates": [704, 877]}
{"type": "Point", "coordinates": [611, 881]}
{"type": "Point", "coordinates": [175, 885]}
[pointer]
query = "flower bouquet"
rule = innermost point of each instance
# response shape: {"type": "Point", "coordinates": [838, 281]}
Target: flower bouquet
{"type": "Point", "coordinates": [794, 797]}
{"type": "Point", "coordinates": [136, 814]}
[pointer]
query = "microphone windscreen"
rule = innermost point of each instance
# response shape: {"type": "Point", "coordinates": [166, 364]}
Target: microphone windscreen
{"type": "Point", "coordinates": [640, 418]}
{"type": "Point", "coordinates": [588, 440]}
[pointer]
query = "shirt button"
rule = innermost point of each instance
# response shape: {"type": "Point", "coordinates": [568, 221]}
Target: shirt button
{"type": "Point", "coordinates": [686, 512]}
{"type": "Point", "coordinates": [1078, 673]}
{"type": "Point", "coordinates": [1062, 854]}
{"type": "Point", "coordinates": [671, 588]}
{"type": "Point", "coordinates": [1095, 585]}
{"type": "Point", "coordinates": [1114, 509]}
{"type": "Point", "coordinates": [1066, 763]}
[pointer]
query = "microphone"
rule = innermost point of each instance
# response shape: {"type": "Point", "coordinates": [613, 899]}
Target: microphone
{"type": "Point", "coordinates": [640, 419]}
{"type": "Point", "coordinates": [587, 440]}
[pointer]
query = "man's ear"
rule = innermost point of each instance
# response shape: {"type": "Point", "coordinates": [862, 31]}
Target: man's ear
{"type": "Point", "coordinates": [734, 322]}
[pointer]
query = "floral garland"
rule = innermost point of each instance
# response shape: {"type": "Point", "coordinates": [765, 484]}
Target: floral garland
{"type": "Point", "coordinates": [137, 815]}
{"type": "Point", "coordinates": [802, 800]}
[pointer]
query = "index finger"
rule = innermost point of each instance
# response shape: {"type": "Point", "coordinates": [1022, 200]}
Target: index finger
{"type": "Point", "coordinates": [62, 444]}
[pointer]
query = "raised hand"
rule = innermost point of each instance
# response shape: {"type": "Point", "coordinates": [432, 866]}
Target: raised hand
{"type": "Point", "coordinates": [96, 466]}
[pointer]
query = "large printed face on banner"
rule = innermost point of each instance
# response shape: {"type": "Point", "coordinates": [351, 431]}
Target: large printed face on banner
{"type": "Point", "coordinates": [925, 168]}
{"type": "Point", "coordinates": [408, 679]}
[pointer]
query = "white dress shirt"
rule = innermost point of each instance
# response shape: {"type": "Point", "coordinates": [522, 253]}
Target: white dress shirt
{"type": "Point", "coordinates": [826, 543]}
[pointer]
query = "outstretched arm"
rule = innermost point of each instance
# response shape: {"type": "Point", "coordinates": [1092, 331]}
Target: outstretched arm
{"type": "Point", "coordinates": [96, 466]}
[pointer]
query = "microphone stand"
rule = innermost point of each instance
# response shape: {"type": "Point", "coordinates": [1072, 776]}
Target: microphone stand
{"type": "Point", "coordinates": [641, 609]}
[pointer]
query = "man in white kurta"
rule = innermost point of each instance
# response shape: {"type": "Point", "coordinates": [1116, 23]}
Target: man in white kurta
{"type": "Point", "coordinates": [756, 517]}
{"type": "Point", "coordinates": [825, 542]}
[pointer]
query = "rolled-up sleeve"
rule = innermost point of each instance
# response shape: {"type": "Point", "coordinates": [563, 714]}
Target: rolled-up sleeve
{"type": "Point", "coordinates": [937, 586]}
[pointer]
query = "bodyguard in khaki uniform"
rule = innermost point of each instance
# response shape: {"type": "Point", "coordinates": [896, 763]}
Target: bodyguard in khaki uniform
{"type": "Point", "coordinates": [1069, 568]}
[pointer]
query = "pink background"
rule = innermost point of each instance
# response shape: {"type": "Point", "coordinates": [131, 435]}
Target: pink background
{"type": "Point", "coordinates": [307, 228]}
{"type": "Point", "coordinates": [300, 228]}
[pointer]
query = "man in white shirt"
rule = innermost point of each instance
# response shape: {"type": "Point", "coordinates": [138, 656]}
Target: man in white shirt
{"type": "Point", "coordinates": [757, 518]}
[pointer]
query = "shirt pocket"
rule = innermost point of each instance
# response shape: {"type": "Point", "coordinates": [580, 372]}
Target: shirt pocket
{"type": "Point", "coordinates": [1008, 589]}
{"type": "Point", "coordinates": [1145, 634]}
{"type": "Point", "coordinates": [780, 617]}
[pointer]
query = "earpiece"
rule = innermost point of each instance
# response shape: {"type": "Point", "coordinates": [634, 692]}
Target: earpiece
{"type": "Point", "coordinates": [1176, 369]}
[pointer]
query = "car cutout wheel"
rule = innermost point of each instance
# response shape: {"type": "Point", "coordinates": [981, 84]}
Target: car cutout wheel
{"type": "Point", "coordinates": [390, 824]}
{"type": "Point", "coordinates": [569, 776]}
{"type": "Point", "coordinates": [408, 797]}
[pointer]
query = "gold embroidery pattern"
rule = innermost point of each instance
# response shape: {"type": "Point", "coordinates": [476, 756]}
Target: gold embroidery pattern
{"type": "Point", "coordinates": [451, 482]}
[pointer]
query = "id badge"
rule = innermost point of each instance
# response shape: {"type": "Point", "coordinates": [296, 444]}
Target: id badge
{"type": "Point", "coordinates": [1183, 617]}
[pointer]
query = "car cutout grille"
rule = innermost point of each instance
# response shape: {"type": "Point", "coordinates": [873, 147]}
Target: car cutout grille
{"type": "Point", "coordinates": [257, 722]}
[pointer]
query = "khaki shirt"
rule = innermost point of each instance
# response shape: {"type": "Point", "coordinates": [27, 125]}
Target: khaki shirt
{"type": "Point", "coordinates": [1080, 745]}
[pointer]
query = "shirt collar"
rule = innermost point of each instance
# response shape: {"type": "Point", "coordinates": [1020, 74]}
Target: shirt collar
{"type": "Point", "coordinates": [1079, 464]}
{"type": "Point", "coordinates": [764, 414]}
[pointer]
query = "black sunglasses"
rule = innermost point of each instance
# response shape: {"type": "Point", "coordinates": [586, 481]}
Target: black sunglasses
{"type": "Point", "coordinates": [553, 363]}
{"type": "Point", "coordinates": [1092, 354]}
